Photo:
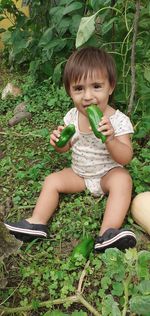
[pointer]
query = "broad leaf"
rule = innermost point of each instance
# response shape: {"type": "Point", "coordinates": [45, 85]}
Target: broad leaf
{"type": "Point", "coordinates": [86, 29]}
{"type": "Point", "coordinates": [78, 313]}
{"type": "Point", "coordinates": [64, 2]}
{"type": "Point", "coordinates": [46, 37]}
{"type": "Point", "coordinates": [106, 26]}
{"type": "Point", "coordinates": [140, 305]}
{"type": "Point", "coordinates": [143, 264]}
{"type": "Point", "coordinates": [55, 313]}
{"type": "Point", "coordinates": [110, 307]}
{"type": "Point", "coordinates": [72, 7]}
{"type": "Point", "coordinates": [147, 74]}
{"type": "Point", "coordinates": [57, 73]}
{"type": "Point", "coordinates": [57, 42]}
{"type": "Point", "coordinates": [144, 287]}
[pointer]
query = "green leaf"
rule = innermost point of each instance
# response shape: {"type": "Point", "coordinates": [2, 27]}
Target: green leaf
{"type": "Point", "coordinates": [20, 41]}
{"type": "Point", "coordinates": [46, 37]}
{"type": "Point", "coordinates": [117, 289]}
{"type": "Point", "coordinates": [72, 7]}
{"type": "Point", "coordinates": [144, 287]}
{"type": "Point", "coordinates": [47, 68]}
{"type": "Point", "coordinates": [79, 313]}
{"type": "Point", "coordinates": [20, 175]}
{"type": "Point", "coordinates": [144, 23]}
{"type": "Point", "coordinates": [44, 132]}
{"type": "Point", "coordinates": [35, 304]}
{"type": "Point", "coordinates": [64, 25]}
{"type": "Point", "coordinates": [86, 29]}
{"type": "Point", "coordinates": [64, 2]}
{"type": "Point", "coordinates": [110, 307]}
{"type": "Point", "coordinates": [147, 74]}
{"type": "Point", "coordinates": [57, 72]}
{"type": "Point", "coordinates": [56, 13]}
{"type": "Point", "coordinates": [74, 25]}
{"type": "Point", "coordinates": [143, 264]}
{"type": "Point", "coordinates": [34, 65]}
{"type": "Point", "coordinates": [131, 255]}
{"type": "Point", "coordinates": [55, 313]}
{"type": "Point", "coordinates": [57, 42]}
{"type": "Point", "coordinates": [140, 305]}
{"type": "Point", "coordinates": [106, 26]}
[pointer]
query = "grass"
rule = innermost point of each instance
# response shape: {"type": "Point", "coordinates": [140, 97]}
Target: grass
{"type": "Point", "coordinates": [42, 271]}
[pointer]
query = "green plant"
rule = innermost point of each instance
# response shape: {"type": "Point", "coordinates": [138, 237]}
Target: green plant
{"type": "Point", "coordinates": [42, 41]}
{"type": "Point", "coordinates": [114, 291]}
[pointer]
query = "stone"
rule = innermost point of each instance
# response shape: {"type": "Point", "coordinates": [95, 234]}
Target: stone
{"type": "Point", "coordinates": [19, 117]}
{"type": "Point", "coordinates": [21, 107]}
{"type": "Point", "coordinates": [10, 89]}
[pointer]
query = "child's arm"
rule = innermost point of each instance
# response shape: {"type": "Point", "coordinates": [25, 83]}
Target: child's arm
{"type": "Point", "coordinates": [119, 147]}
{"type": "Point", "coordinates": [55, 137]}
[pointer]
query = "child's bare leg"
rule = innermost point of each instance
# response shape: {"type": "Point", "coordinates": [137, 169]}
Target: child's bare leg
{"type": "Point", "coordinates": [118, 184]}
{"type": "Point", "coordinates": [65, 181]}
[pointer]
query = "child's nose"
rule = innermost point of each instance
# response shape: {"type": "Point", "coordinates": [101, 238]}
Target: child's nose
{"type": "Point", "coordinates": [87, 94]}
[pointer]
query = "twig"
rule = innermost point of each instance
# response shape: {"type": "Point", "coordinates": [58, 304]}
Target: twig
{"type": "Point", "coordinates": [79, 290]}
{"type": "Point", "coordinates": [77, 298]}
{"type": "Point", "coordinates": [135, 27]}
{"type": "Point", "coordinates": [13, 310]}
{"type": "Point", "coordinates": [88, 306]}
{"type": "Point", "coordinates": [12, 293]}
{"type": "Point", "coordinates": [24, 207]}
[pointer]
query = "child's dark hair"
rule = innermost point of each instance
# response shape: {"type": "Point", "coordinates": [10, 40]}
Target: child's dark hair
{"type": "Point", "coordinates": [86, 60]}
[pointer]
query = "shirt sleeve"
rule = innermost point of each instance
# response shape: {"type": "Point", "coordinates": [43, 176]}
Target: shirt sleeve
{"type": "Point", "coordinates": [70, 117]}
{"type": "Point", "coordinates": [122, 124]}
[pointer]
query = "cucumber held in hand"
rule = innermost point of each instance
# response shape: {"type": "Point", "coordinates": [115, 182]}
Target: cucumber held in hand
{"type": "Point", "coordinates": [65, 135]}
{"type": "Point", "coordinates": [84, 248]}
{"type": "Point", "coordinates": [94, 116]}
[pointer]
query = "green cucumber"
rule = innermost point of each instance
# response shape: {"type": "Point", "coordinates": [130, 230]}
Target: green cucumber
{"type": "Point", "coordinates": [95, 115]}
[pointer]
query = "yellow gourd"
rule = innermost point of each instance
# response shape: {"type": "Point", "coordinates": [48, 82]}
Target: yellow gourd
{"type": "Point", "coordinates": [140, 210]}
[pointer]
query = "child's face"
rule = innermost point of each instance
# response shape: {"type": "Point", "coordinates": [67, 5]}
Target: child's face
{"type": "Point", "coordinates": [94, 89]}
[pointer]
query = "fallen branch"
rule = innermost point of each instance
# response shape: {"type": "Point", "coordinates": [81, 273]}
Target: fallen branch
{"type": "Point", "coordinates": [77, 298]}
{"type": "Point", "coordinates": [15, 310]}
{"type": "Point", "coordinates": [79, 290]}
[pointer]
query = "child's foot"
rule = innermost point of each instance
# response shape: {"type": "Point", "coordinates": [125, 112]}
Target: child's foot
{"type": "Point", "coordinates": [25, 231]}
{"type": "Point", "coordinates": [119, 238]}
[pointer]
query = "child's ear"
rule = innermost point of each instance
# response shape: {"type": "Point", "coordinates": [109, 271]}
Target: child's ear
{"type": "Point", "coordinates": [111, 90]}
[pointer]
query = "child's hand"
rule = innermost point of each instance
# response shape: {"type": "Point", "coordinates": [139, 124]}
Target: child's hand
{"type": "Point", "coordinates": [54, 137]}
{"type": "Point", "coordinates": [106, 128]}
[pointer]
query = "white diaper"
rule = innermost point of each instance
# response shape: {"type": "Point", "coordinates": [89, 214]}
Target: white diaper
{"type": "Point", "coordinates": [93, 185]}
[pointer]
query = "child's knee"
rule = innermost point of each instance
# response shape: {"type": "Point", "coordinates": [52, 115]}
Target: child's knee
{"type": "Point", "coordinates": [123, 180]}
{"type": "Point", "coordinates": [51, 179]}
{"type": "Point", "coordinates": [120, 180]}
{"type": "Point", "coordinates": [126, 178]}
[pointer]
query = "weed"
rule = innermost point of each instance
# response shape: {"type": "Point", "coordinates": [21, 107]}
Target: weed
{"type": "Point", "coordinates": [41, 275]}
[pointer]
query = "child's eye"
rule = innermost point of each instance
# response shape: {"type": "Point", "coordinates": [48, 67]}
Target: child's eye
{"type": "Point", "coordinates": [78, 88]}
{"type": "Point", "coordinates": [97, 86]}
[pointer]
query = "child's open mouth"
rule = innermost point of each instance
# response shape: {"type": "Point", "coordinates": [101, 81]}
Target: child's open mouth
{"type": "Point", "coordinates": [87, 105]}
